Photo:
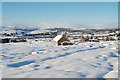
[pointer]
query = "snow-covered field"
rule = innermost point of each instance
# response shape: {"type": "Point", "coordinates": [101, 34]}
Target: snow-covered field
{"type": "Point", "coordinates": [44, 60]}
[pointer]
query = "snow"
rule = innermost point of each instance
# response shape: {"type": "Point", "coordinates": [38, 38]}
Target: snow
{"type": "Point", "coordinates": [4, 37]}
{"type": "Point", "coordinates": [37, 31]}
{"type": "Point", "coordinates": [57, 38]}
{"type": "Point", "coordinates": [112, 74]}
{"type": "Point", "coordinates": [7, 31]}
{"type": "Point", "coordinates": [42, 59]}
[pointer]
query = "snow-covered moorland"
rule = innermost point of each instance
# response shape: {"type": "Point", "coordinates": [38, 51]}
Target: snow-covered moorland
{"type": "Point", "coordinates": [44, 60]}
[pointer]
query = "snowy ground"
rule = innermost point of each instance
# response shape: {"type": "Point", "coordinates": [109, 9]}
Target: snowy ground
{"type": "Point", "coordinates": [45, 60]}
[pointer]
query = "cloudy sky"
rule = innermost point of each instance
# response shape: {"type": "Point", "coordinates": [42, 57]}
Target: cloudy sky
{"type": "Point", "coordinates": [60, 14]}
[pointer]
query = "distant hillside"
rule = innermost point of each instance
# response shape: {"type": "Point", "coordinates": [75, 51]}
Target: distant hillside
{"type": "Point", "coordinates": [59, 29]}
{"type": "Point", "coordinates": [17, 28]}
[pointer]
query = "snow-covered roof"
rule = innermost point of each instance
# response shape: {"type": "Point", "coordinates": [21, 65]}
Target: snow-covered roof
{"type": "Point", "coordinates": [101, 35]}
{"type": "Point", "coordinates": [87, 35]}
{"type": "Point", "coordinates": [112, 33]}
{"type": "Point", "coordinates": [3, 37]}
{"type": "Point", "coordinates": [104, 34]}
{"type": "Point", "coordinates": [57, 38]}
{"type": "Point", "coordinates": [117, 32]}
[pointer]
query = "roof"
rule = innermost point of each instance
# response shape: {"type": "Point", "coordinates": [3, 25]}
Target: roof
{"type": "Point", "coordinates": [3, 37]}
{"type": "Point", "coordinates": [57, 38]}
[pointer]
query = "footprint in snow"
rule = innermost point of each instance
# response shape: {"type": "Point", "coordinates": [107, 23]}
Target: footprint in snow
{"type": "Point", "coordinates": [113, 54]}
{"type": "Point", "coordinates": [104, 58]}
{"type": "Point", "coordinates": [47, 67]}
{"type": "Point", "coordinates": [36, 65]}
{"type": "Point", "coordinates": [110, 64]}
{"type": "Point", "coordinates": [96, 65]}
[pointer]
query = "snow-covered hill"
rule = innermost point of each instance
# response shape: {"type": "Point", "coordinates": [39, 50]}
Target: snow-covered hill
{"type": "Point", "coordinates": [44, 60]}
